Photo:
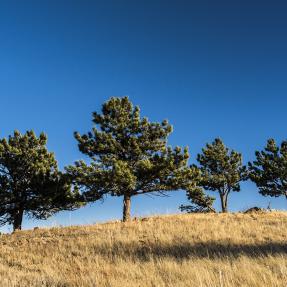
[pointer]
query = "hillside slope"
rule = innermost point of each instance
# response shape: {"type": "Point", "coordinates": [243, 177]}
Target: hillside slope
{"type": "Point", "coordinates": [181, 250]}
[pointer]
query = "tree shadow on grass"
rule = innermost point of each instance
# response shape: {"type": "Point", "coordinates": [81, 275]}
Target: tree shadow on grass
{"type": "Point", "coordinates": [212, 250]}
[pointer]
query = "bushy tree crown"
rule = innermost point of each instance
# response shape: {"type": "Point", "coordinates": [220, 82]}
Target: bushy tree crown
{"type": "Point", "coordinates": [30, 182]}
{"type": "Point", "coordinates": [129, 155]}
{"type": "Point", "coordinates": [269, 170]}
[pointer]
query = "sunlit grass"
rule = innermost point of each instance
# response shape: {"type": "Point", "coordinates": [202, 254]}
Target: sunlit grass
{"type": "Point", "coordinates": [180, 250]}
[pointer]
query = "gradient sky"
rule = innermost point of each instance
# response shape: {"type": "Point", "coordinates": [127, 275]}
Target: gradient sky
{"type": "Point", "coordinates": [213, 68]}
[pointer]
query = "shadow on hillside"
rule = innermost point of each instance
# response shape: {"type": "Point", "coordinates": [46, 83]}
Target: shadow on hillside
{"type": "Point", "coordinates": [212, 250]}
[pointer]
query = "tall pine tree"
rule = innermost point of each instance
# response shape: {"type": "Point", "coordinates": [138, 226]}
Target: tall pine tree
{"type": "Point", "coordinates": [269, 170]}
{"type": "Point", "coordinates": [30, 182]}
{"type": "Point", "coordinates": [222, 170]}
{"type": "Point", "coordinates": [129, 157]}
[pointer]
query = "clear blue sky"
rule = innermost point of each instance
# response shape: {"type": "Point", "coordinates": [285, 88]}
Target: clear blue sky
{"type": "Point", "coordinates": [213, 68]}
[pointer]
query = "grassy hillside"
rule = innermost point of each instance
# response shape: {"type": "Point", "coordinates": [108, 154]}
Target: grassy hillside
{"type": "Point", "coordinates": [183, 250]}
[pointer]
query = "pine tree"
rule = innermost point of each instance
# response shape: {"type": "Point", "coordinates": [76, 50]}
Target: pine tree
{"type": "Point", "coordinates": [222, 170]}
{"type": "Point", "coordinates": [30, 182]}
{"type": "Point", "coordinates": [129, 157]}
{"type": "Point", "coordinates": [269, 170]}
{"type": "Point", "coordinates": [200, 203]}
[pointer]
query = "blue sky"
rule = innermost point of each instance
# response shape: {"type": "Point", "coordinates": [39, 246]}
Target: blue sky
{"type": "Point", "coordinates": [213, 68]}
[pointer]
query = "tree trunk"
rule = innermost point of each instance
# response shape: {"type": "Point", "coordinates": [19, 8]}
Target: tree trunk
{"type": "Point", "coordinates": [223, 198]}
{"type": "Point", "coordinates": [127, 208]}
{"type": "Point", "coordinates": [17, 220]}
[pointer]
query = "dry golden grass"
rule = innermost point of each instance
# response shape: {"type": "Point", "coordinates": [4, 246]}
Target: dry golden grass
{"type": "Point", "coordinates": [211, 250]}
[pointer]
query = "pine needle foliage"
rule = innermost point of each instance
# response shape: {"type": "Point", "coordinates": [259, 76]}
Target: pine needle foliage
{"type": "Point", "coordinates": [30, 182]}
{"type": "Point", "coordinates": [129, 156]}
{"type": "Point", "coordinates": [269, 170]}
{"type": "Point", "coordinates": [222, 170]}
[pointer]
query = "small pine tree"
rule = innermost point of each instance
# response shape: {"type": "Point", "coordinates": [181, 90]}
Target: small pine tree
{"type": "Point", "coordinates": [269, 170]}
{"type": "Point", "coordinates": [129, 156]}
{"type": "Point", "coordinates": [30, 182]}
{"type": "Point", "coordinates": [222, 170]}
{"type": "Point", "coordinates": [200, 203]}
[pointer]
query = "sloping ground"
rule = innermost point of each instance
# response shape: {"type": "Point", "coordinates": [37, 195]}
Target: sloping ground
{"type": "Point", "coordinates": [183, 250]}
